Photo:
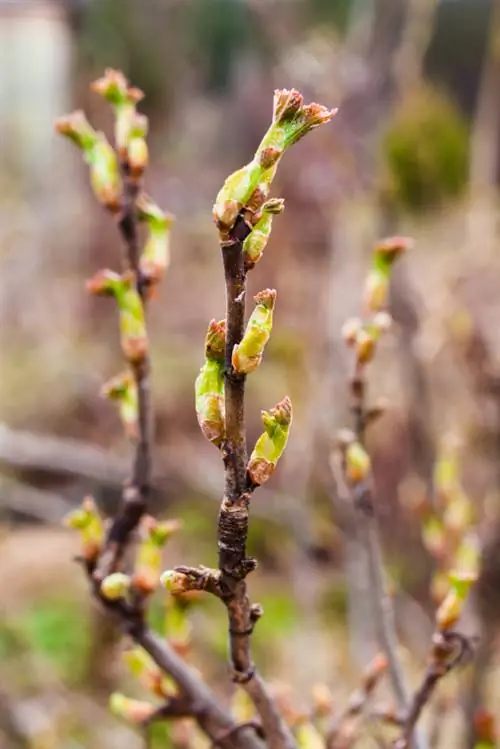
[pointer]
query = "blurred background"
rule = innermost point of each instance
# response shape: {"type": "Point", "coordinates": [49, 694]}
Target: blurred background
{"type": "Point", "coordinates": [415, 149]}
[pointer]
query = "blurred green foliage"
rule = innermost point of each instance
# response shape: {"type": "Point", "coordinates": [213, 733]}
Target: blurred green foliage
{"type": "Point", "coordinates": [60, 630]}
{"type": "Point", "coordinates": [425, 152]}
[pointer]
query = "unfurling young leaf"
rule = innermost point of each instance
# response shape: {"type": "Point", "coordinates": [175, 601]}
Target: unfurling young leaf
{"type": "Point", "coordinates": [248, 187]}
{"type": "Point", "coordinates": [155, 257]}
{"type": "Point", "coordinates": [209, 385]}
{"type": "Point", "coordinates": [271, 444]}
{"type": "Point", "coordinates": [123, 390]}
{"type": "Point", "coordinates": [247, 355]}
{"type": "Point", "coordinates": [133, 335]}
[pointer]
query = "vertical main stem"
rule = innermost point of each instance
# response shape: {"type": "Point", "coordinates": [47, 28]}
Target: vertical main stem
{"type": "Point", "coordinates": [233, 517]}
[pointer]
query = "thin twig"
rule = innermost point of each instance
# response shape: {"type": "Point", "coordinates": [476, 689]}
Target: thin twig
{"type": "Point", "coordinates": [381, 603]}
{"type": "Point", "coordinates": [449, 649]}
{"type": "Point", "coordinates": [137, 491]}
{"type": "Point", "coordinates": [382, 607]}
{"type": "Point", "coordinates": [196, 700]}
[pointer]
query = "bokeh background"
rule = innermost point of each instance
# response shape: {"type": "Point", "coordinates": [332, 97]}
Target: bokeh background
{"type": "Point", "coordinates": [415, 149]}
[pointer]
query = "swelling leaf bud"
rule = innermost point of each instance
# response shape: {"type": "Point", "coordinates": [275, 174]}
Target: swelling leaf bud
{"type": "Point", "coordinates": [357, 462]}
{"type": "Point", "coordinates": [133, 711]}
{"type": "Point", "coordinates": [209, 385]}
{"type": "Point", "coordinates": [133, 334]}
{"type": "Point", "coordinates": [115, 586]}
{"type": "Point", "coordinates": [123, 390]}
{"type": "Point", "coordinates": [247, 355]}
{"type": "Point", "coordinates": [155, 257]}
{"type": "Point", "coordinates": [175, 582]}
{"type": "Point", "coordinates": [271, 444]}
{"type": "Point", "coordinates": [255, 244]}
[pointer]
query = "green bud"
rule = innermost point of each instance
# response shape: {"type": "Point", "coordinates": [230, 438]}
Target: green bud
{"type": "Point", "coordinates": [155, 257]}
{"type": "Point", "coordinates": [148, 561]}
{"type": "Point", "coordinates": [123, 390]}
{"type": "Point", "coordinates": [209, 385]}
{"type": "Point", "coordinates": [451, 608]}
{"type": "Point", "coordinates": [162, 531]}
{"type": "Point", "coordinates": [291, 121]}
{"type": "Point", "coordinates": [133, 332]}
{"type": "Point", "coordinates": [133, 711]}
{"type": "Point", "coordinates": [104, 173]}
{"type": "Point", "coordinates": [115, 586]}
{"type": "Point", "coordinates": [255, 244]}
{"type": "Point", "coordinates": [387, 251]}
{"type": "Point", "coordinates": [114, 87]}
{"type": "Point", "coordinates": [87, 520]}
{"type": "Point", "coordinates": [357, 462]}
{"type": "Point", "coordinates": [138, 157]}
{"type": "Point", "coordinates": [235, 194]}
{"type": "Point", "coordinates": [99, 155]}
{"type": "Point", "coordinates": [247, 355]}
{"type": "Point", "coordinates": [77, 128]}
{"type": "Point", "coordinates": [271, 444]}
{"type": "Point", "coordinates": [175, 582]}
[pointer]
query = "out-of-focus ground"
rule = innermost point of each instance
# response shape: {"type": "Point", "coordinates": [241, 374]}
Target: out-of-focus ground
{"type": "Point", "coordinates": [414, 150]}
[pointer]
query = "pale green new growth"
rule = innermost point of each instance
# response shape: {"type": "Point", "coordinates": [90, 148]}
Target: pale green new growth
{"type": "Point", "coordinates": [384, 256]}
{"type": "Point", "coordinates": [249, 186]}
{"type": "Point", "coordinates": [155, 257]}
{"type": "Point", "coordinates": [123, 390]}
{"type": "Point", "coordinates": [271, 444]}
{"type": "Point", "coordinates": [133, 333]}
{"type": "Point", "coordinates": [115, 586]}
{"type": "Point", "coordinates": [87, 520]}
{"type": "Point", "coordinates": [104, 173]}
{"type": "Point", "coordinates": [114, 87]}
{"type": "Point", "coordinates": [133, 711]}
{"type": "Point", "coordinates": [255, 244]}
{"type": "Point", "coordinates": [209, 385]}
{"type": "Point", "coordinates": [98, 154]}
{"type": "Point", "coordinates": [247, 355]}
{"type": "Point", "coordinates": [149, 553]}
